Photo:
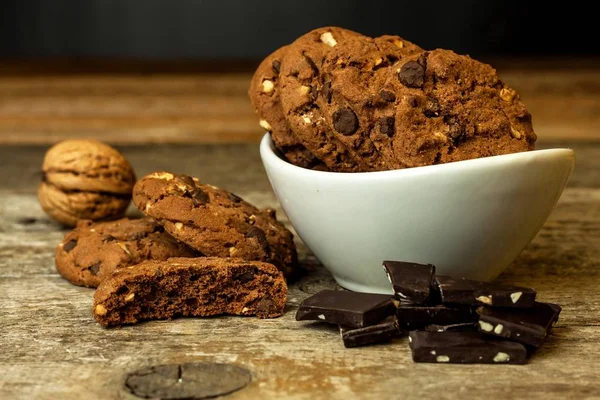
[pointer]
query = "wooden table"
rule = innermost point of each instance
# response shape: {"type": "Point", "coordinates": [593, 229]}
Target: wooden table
{"type": "Point", "coordinates": [53, 349]}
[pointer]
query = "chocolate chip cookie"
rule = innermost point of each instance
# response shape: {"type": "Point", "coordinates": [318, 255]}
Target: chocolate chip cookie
{"type": "Point", "coordinates": [360, 104]}
{"type": "Point", "coordinates": [190, 287]}
{"type": "Point", "coordinates": [301, 83]}
{"type": "Point", "coordinates": [264, 95]}
{"type": "Point", "coordinates": [355, 71]}
{"type": "Point", "coordinates": [449, 108]}
{"type": "Point", "coordinates": [92, 251]}
{"type": "Point", "coordinates": [213, 221]}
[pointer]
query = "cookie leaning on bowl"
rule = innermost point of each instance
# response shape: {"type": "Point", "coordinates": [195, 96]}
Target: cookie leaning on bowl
{"type": "Point", "coordinates": [213, 221]}
{"type": "Point", "coordinates": [92, 251]}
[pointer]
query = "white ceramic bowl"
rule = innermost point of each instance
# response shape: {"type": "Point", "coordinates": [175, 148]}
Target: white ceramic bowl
{"type": "Point", "coordinates": [469, 218]}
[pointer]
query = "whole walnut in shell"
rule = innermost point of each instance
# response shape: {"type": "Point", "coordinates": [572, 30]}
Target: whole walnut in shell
{"type": "Point", "coordinates": [85, 179]}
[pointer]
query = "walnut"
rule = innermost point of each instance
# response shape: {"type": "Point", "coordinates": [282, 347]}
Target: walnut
{"type": "Point", "coordinates": [85, 179]}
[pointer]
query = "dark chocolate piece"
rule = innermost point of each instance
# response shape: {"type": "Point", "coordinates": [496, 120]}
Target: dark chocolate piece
{"type": "Point", "coordinates": [411, 281]}
{"type": "Point", "coordinates": [464, 348]}
{"type": "Point", "coordinates": [526, 325]}
{"type": "Point", "coordinates": [416, 317]}
{"type": "Point", "coordinates": [460, 327]}
{"type": "Point", "coordinates": [350, 309]}
{"type": "Point", "coordinates": [469, 292]}
{"type": "Point", "coordinates": [380, 332]}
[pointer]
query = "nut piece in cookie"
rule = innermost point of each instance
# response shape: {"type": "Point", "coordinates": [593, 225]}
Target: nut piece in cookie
{"type": "Point", "coordinates": [213, 221]}
{"type": "Point", "coordinates": [190, 287]}
{"type": "Point", "coordinates": [92, 251]}
{"type": "Point", "coordinates": [85, 179]}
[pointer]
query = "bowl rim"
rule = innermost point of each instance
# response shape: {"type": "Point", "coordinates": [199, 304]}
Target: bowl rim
{"type": "Point", "coordinates": [269, 156]}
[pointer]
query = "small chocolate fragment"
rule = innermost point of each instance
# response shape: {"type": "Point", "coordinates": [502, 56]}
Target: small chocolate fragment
{"type": "Point", "coordinates": [388, 96]}
{"type": "Point", "coordinates": [326, 91]}
{"type": "Point", "coordinates": [464, 348]}
{"type": "Point", "coordinates": [412, 74]}
{"type": "Point", "coordinates": [386, 126]}
{"type": "Point", "coordinates": [260, 236]}
{"type": "Point", "coordinates": [95, 268]}
{"type": "Point", "coordinates": [460, 327]}
{"type": "Point", "coordinates": [200, 197]}
{"type": "Point", "coordinates": [235, 198]}
{"type": "Point", "coordinates": [526, 325]}
{"type": "Point", "coordinates": [345, 121]}
{"type": "Point", "coordinates": [411, 281]}
{"type": "Point", "coordinates": [380, 332]}
{"type": "Point", "coordinates": [469, 292]}
{"type": "Point", "coordinates": [70, 245]}
{"type": "Point", "coordinates": [349, 309]}
{"type": "Point", "coordinates": [276, 66]}
{"type": "Point", "coordinates": [416, 317]}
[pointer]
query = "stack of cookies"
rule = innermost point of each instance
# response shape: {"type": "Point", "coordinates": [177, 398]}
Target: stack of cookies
{"type": "Point", "coordinates": [199, 251]}
{"type": "Point", "coordinates": [340, 101]}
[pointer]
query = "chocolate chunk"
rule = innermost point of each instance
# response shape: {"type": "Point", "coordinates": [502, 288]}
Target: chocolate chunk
{"type": "Point", "coordinates": [326, 91]}
{"type": "Point", "coordinates": [70, 245]}
{"type": "Point", "coordinates": [388, 96]}
{"type": "Point", "coordinates": [469, 292]}
{"type": "Point", "coordinates": [345, 121]}
{"type": "Point", "coordinates": [311, 64]}
{"type": "Point", "coordinates": [460, 327]}
{"type": "Point", "coordinates": [245, 277]}
{"type": "Point", "coordinates": [276, 65]}
{"type": "Point", "coordinates": [201, 197]}
{"type": "Point", "coordinates": [464, 348]}
{"type": "Point", "coordinates": [345, 308]}
{"type": "Point", "coordinates": [377, 333]}
{"type": "Point", "coordinates": [412, 74]}
{"type": "Point", "coordinates": [386, 126]}
{"type": "Point", "coordinates": [259, 234]}
{"type": "Point", "coordinates": [411, 281]}
{"type": "Point", "coordinates": [526, 325]}
{"type": "Point", "coordinates": [95, 268]}
{"type": "Point", "coordinates": [416, 317]}
{"type": "Point", "coordinates": [234, 198]}
{"type": "Point", "coordinates": [187, 180]}
{"type": "Point", "coordinates": [412, 101]}
{"type": "Point", "coordinates": [185, 381]}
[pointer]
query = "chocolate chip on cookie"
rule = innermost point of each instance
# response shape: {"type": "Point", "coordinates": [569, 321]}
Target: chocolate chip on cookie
{"type": "Point", "coordinates": [345, 121]}
{"type": "Point", "coordinates": [386, 126]}
{"type": "Point", "coordinates": [190, 287]}
{"type": "Point", "coordinates": [92, 251]}
{"type": "Point", "coordinates": [412, 74]}
{"type": "Point", "coordinates": [214, 221]}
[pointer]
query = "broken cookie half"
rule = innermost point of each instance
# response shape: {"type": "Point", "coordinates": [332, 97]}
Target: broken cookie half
{"type": "Point", "coordinates": [190, 287]}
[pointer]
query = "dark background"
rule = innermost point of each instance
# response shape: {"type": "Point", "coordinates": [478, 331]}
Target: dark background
{"type": "Point", "coordinates": [238, 29]}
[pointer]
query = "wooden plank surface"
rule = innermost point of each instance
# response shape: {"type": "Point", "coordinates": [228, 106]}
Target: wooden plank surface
{"type": "Point", "coordinates": [52, 348]}
{"type": "Point", "coordinates": [127, 102]}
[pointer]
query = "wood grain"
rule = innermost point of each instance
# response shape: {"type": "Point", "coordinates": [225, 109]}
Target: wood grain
{"type": "Point", "coordinates": [140, 102]}
{"type": "Point", "coordinates": [52, 348]}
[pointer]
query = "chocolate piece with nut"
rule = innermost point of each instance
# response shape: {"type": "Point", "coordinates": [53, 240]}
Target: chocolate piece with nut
{"type": "Point", "coordinates": [464, 348]}
{"type": "Point", "coordinates": [345, 308]}
{"type": "Point", "coordinates": [473, 293]}
{"type": "Point", "coordinates": [530, 326]}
